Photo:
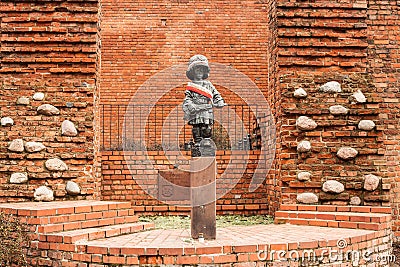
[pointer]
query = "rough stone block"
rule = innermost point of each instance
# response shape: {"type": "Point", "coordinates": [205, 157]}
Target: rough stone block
{"type": "Point", "coordinates": [16, 145]}
{"type": "Point", "coordinates": [331, 87]}
{"type": "Point", "coordinates": [43, 193]}
{"type": "Point", "coordinates": [48, 110]}
{"type": "Point", "coordinates": [18, 178]}
{"type": "Point", "coordinates": [56, 165]}
{"type": "Point", "coordinates": [347, 153]}
{"type": "Point", "coordinates": [333, 186]}
{"type": "Point", "coordinates": [305, 123]}
{"type": "Point", "coordinates": [371, 182]}
{"type": "Point", "coordinates": [307, 198]}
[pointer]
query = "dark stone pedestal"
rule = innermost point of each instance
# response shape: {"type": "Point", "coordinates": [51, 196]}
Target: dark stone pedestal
{"type": "Point", "coordinates": [203, 197]}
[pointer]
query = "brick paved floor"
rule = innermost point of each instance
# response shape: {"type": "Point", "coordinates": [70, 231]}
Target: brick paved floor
{"type": "Point", "coordinates": [231, 236]}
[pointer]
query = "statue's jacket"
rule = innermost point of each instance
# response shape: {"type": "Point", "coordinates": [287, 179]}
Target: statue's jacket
{"type": "Point", "coordinates": [198, 108]}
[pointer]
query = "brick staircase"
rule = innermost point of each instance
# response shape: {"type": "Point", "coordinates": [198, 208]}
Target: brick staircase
{"type": "Point", "coordinates": [100, 233]}
{"type": "Point", "coordinates": [353, 217]}
{"type": "Point", "coordinates": [67, 223]}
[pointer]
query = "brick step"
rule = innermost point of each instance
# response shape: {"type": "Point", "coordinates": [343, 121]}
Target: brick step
{"type": "Point", "coordinates": [353, 217]}
{"type": "Point", "coordinates": [45, 209]}
{"type": "Point", "coordinates": [80, 217]}
{"type": "Point", "coordinates": [329, 208]}
{"type": "Point", "coordinates": [67, 226]}
{"type": "Point", "coordinates": [40, 213]}
{"type": "Point", "coordinates": [89, 234]}
{"type": "Point", "coordinates": [367, 221]}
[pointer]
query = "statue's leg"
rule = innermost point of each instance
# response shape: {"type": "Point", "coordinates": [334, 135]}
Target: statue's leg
{"type": "Point", "coordinates": [206, 131]}
{"type": "Point", "coordinates": [196, 131]}
{"type": "Point", "coordinates": [207, 147]}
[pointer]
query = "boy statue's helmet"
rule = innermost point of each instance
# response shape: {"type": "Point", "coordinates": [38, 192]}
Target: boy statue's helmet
{"type": "Point", "coordinates": [197, 61]}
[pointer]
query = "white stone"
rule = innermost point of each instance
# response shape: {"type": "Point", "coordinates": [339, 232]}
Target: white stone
{"type": "Point", "coordinates": [33, 147]}
{"type": "Point", "coordinates": [38, 96]}
{"type": "Point", "coordinates": [366, 125]}
{"type": "Point", "coordinates": [300, 93]}
{"type": "Point", "coordinates": [68, 128]}
{"type": "Point", "coordinates": [355, 201]}
{"type": "Point", "coordinates": [73, 188]}
{"type": "Point", "coordinates": [358, 97]}
{"type": "Point", "coordinates": [333, 186]}
{"type": "Point", "coordinates": [7, 121]}
{"type": "Point", "coordinates": [371, 182]}
{"type": "Point", "coordinates": [44, 193]}
{"type": "Point", "coordinates": [48, 110]}
{"type": "Point", "coordinates": [338, 110]}
{"type": "Point", "coordinates": [23, 101]}
{"type": "Point", "coordinates": [304, 176]}
{"type": "Point", "coordinates": [307, 198]}
{"type": "Point", "coordinates": [305, 123]}
{"type": "Point", "coordinates": [18, 178]}
{"type": "Point", "coordinates": [16, 145]}
{"type": "Point", "coordinates": [347, 153]}
{"type": "Point", "coordinates": [56, 165]}
{"type": "Point", "coordinates": [304, 146]}
{"type": "Point", "coordinates": [331, 87]}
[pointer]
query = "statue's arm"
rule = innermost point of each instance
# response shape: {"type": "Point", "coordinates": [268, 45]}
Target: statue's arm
{"type": "Point", "coordinates": [217, 98]}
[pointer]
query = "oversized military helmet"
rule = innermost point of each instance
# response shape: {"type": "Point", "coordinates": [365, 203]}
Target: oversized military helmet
{"type": "Point", "coordinates": [197, 61]}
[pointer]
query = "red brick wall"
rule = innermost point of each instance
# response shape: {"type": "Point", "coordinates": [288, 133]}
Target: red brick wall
{"type": "Point", "coordinates": [141, 38]}
{"type": "Point", "coordinates": [124, 172]}
{"type": "Point", "coordinates": [383, 65]}
{"type": "Point", "coordinates": [354, 43]}
{"type": "Point", "coordinates": [49, 47]}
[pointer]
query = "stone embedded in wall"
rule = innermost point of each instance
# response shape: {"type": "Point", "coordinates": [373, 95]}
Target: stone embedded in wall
{"type": "Point", "coordinates": [358, 97]}
{"type": "Point", "coordinates": [38, 96]}
{"type": "Point", "coordinates": [56, 165]}
{"type": "Point", "coordinates": [33, 147]}
{"type": "Point", "coordinates": [23, 101]}
{"type": "Point", "coordinates": [16, 145]}
{"type": "Point", "coordinates": [73, 188]}
{"type": "Point", "coordinates": [371, 182]}
{"type": "Point", "coordinates": [7, 121]}
{"type": "Point", "coordinates": [338, 110]}
{"type": "Point", "coordinates": [366, 125]}
{"type": "Point", "coordinates": [48, 110]}
{"type": "Point", "coordinates": [304, 146]}
{"type": "Point", "coordinates": [305, 123]}
{"type": "Point", "coordinates": [331, 87]}
{"type": "Point", "coordinates": [18, 178]}
{"type": "Point", "coordinates": [68, 128]}
{"type": "Point", "coordinates": [347, 153]}
{"type": "Point", "coordinates": [44, 193]}
{"type": "Point", "coordinates": [304, 176]}
{"type": "Point", "coordinates": [307, 198]}
{"type": "Point", "coordinates": [333, 186]}
{"type": "Point", "coordinates": [355, 201]}
{"type": "Point", "coordinates": [57, 80]}
{"type": "Point", "coordinates": [300, 93]}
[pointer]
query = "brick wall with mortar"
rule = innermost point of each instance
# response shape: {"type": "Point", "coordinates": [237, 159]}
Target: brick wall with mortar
{"type": "Point", "coordinates": [49, 47]}
{"type": "Point", "coordinates": [46, 46]}
{"type": "Point", "coordinates": [354, 43]}
{"type": "Point", "coordinates": [142, 38]}
{"type": "Point", "coordinates": [384, 66]}
{"type": "Point", "coordinates": [127, 175]}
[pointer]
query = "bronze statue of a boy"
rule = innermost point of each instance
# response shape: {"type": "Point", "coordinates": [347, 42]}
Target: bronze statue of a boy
{"type": "Point", "coordinates": [200, 99]}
